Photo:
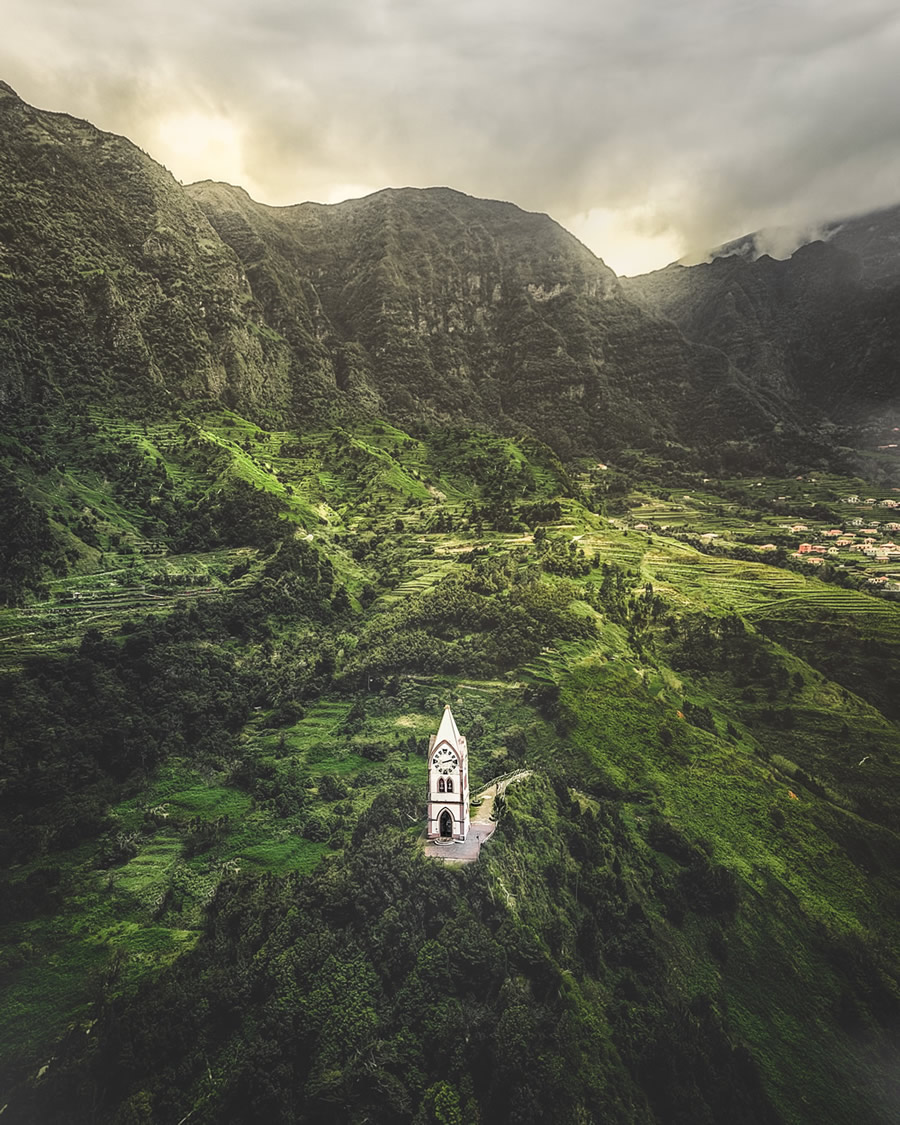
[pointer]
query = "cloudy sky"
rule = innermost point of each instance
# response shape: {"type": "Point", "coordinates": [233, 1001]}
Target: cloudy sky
{"type": "Point", "coordinates": [651, 128]}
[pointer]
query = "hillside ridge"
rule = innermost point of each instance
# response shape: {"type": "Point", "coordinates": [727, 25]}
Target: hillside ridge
{"type": "Point", "coordinates": [413, 302]}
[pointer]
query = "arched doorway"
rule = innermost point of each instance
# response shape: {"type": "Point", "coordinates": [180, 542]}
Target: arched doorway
{"type": "Point", "coordinates": [446, 825]}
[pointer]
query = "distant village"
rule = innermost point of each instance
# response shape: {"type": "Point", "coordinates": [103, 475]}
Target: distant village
{"type": "Point", "coordinates": [872, 539]}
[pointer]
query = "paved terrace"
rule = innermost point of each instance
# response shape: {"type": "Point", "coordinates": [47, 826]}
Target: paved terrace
{"type": "Point", "coordinates": [481, 825]}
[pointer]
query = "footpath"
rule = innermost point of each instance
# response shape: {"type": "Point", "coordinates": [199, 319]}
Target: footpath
{"type": "Point", "coordinates": [482, 825]}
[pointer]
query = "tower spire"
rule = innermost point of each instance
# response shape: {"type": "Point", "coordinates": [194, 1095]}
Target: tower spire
{"type": "Point", "coordinates": [448, 781]}
{"type": "Point", "coordinates": [448, 730]}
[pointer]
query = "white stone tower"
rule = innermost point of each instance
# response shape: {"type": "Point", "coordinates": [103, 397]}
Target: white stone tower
{"type": "Point", "coordinates": [448, 782]}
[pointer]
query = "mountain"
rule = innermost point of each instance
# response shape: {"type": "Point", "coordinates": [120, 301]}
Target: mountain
{"type": "Point", "coordinates": [820, 329]}
{"type": "Point", "coordinates": [425, 304]}
{"type": "Point", "coordinates": [453, 307]}
{"type": "Point", "coordinates": [874, 238]}
{"type": "Point", "coordinates": [113, 282]}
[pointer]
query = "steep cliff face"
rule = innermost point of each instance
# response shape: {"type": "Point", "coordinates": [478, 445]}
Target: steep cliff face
{"type": "Point", "coordinates": [422, 305]}
{"type": "Point", "coordinates": [820, 329]}
{"type": "Point", "coordinates": [113, 282]}
{"type": "Point", "coordinates": [446, 306]}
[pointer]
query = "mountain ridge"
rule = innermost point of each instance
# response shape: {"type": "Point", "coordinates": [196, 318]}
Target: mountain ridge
{"type": "Point", "coordinates": [818, 328]}
{"type": "Point", "coordinates": [851, 232]}
{"type": "Point", "coordinates": [590, 353]}
{"type": "Point", "coordinates": [423, 303]}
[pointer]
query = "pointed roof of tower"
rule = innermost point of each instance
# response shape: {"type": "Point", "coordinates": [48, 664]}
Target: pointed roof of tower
{"type": "Point", "coordinates": [448, 730]}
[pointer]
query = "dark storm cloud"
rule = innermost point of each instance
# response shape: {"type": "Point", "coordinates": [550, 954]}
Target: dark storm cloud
{"type": "Point", "coordinates": [697, 120]}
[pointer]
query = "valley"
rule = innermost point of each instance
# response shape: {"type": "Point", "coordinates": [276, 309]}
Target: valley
{"type": "Point", "coordinates": [300, 604]}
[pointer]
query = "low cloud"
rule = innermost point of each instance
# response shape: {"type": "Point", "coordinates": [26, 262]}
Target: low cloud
{"type": "Point", "coordinates": [781, 242]}
{"type": "Point", "coordinates": [695, 122]}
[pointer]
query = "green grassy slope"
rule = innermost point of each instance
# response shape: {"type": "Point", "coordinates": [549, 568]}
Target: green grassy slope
{"type": "Point", "coordinates": [220, 670]}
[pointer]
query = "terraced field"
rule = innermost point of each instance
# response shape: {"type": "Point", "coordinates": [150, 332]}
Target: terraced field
{"type": "Point", "coordinates": [107, 598]}
{"type": "Point", "coordinates": [319, 723]}
{"type": "Point", "coordinates": [701, 514]}
{"type": "Point", "coordinates": [722, 583]}
{"type": "Point", "coordinates": [819, 599]}
{"type": "Point", "coordinates": [331, 738]}
{"type": "Point", "coordinates": [426, 573]}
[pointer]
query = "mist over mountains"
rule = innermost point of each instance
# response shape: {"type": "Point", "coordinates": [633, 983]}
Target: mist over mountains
{"type": "Point", "coordinates": [421, 304]}
{"type": "Point", "coordinates": [819, 329]}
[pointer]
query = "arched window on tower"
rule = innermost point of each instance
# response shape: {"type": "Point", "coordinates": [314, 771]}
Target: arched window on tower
{"type": "Point", "coordinates": [449, 784]}
{"type": "Point", "coordinates": [441, 786]}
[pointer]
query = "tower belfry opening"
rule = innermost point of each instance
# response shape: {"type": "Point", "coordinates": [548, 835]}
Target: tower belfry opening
{"type": "Point", "coordinates": [448, 782]}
